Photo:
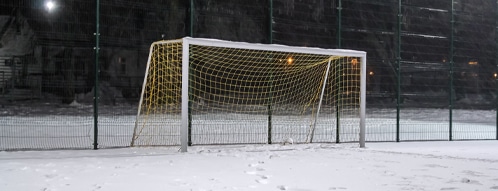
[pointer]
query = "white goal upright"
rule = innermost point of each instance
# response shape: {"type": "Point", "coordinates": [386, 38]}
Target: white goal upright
{"type": "Point", "coordinates": [207, 91]}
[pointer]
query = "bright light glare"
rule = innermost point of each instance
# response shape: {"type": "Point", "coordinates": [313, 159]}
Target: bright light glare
{"type": "Point", "coordinates": [290, 60]}
{"type": "Point", "coordinates": [354, 61]}
{"type": "Point", "coordinates": [50, 5]}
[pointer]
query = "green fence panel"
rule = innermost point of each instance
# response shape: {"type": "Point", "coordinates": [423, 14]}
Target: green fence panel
{"type": "Point", "coordinates": [439, 82]}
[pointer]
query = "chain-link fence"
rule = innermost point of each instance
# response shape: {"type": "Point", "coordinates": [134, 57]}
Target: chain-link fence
{"type": "Point", "coordinates": [432, 65]}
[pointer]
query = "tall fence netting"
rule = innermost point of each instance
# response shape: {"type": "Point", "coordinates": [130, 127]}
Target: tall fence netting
{"type": "Point", "coordinates": [431, 65]}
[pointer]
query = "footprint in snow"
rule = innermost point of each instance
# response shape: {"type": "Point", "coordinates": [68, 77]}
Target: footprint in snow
{"type": "Point", "coordinates": [337, 188]}
{"type": "Point", "coordinates": [435, 166]}
{"type": "Point", "coordinates": [97, 187]}
{"type": "Point", "coordinates": [50, 176]}
{"type": "Point", "coordinates": [473, 173]}
{"type": "Point", "coordinates": [282, 187]}
{"type": "Point", "coordinates": [469, 181]}
{"type": "Point", "coordinates": [449, 188]}
{"type": "Point", "coordinates": [264, 176]}
{"type": "Point", "coordinates": [262, 181]}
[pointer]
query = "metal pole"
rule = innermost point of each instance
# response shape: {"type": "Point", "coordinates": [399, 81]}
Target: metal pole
{"type": "Point", "coordinates": [338, 74]}
{"type": "Point", "coordinates": [312, 132]}
{"type": "Point", "coordinates": [363, 100]}
{"type": "Point", "coordinates": [398, 70]}
{"type": "Point", "coordinates": [451, 69]}
{"type": "Point", "coordinates": [339, 23]}
{"type": "Point", "coordinates": [185, 114]}
{"type": "Point", "coordinates": [3, 86]}
{"type": "Point", "coordinates": [190, 76]}
{"type": "Point", "coordinates": [496, 79]}
{"type": "Point", "coordinates": [192, 18]}
{"type": "Point", "coordinates": [270, 30]}
{"type": "Point", "coordinates": [97, 71]}
{"type": "Point", "coordinates": [13, 77]}
{"type": "Point", "coordinates": [270, 100]}
{"type": "Point", "coordinates": [135, 136]}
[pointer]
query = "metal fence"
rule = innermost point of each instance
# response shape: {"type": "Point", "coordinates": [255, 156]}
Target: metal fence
{"type": "Point", "coordinates": [432, 65]}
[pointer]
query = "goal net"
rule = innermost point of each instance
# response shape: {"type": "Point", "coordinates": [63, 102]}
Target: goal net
{"type": "Point", "coordinates": [205, 91]}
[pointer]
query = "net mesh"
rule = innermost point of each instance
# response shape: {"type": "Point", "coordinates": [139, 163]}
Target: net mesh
{"type": "Point", "coordinates": [240, 95]}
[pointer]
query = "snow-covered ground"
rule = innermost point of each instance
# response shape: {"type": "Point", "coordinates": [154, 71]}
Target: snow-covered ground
{"type": "Point", "coordinates": [465, 165]}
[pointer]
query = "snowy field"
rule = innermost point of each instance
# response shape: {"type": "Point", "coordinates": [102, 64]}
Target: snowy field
{"type": "Point", "coordinates": [441, 165]}
{"type": "Point", "coordinates": [430, 166]}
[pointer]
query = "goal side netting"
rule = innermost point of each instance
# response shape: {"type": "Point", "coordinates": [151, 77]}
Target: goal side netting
{"type": "Point", "coordinates": [205, 91]}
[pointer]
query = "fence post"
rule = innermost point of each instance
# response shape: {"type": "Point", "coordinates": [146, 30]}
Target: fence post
{"type": "Point", "coordinates": [451, 69]}
{"type": "Point", "coordinates": [496, 79]}
{"type": "Point", "coordinates": [339, 23]}
{"type": "Point", "coordinates": [96, 87]}
{"type": "Point", "coordinates": [191, 32]}
{"type": "Point", "coordinates": [270, 22]}
{"type": "Point", "coordinates": [190, 76]}
{"type": "Point", "coordinates": [337, 79]}
{"type": "Point", "coordinates": [270, 100]}
{"type": "Point", "coordinates": [398, 70]}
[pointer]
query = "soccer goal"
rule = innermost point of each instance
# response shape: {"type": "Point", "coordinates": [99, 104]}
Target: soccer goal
{"type": "Point", "coordinates": [207, 91]}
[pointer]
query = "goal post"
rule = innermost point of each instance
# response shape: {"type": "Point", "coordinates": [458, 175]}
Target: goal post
{"type": "Point", "coordinates": [207, 91]}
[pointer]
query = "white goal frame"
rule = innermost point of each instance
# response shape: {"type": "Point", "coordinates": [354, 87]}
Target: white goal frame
{"type": "Point", "coordinates": [187, 41]}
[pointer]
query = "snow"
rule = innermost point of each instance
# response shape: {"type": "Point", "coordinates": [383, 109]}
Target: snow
{"type": "Point", "coordinates": [437, 165]}
{"type": "Point", "coordinates": [433, 9]}
{"type": "Point", "coordinates": [465, 165]}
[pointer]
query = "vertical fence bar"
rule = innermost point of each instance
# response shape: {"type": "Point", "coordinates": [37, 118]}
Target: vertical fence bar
{"type": "Point", "coordinates": [13, 77]}
{"type": "Point", "coordinates": [398, 70]}
{"type": "Point", "coordinates": [337, 79]}
{"type": "Point", "coordinates": [496, 60]}
{"type": "Point", "coordinates": [339, 23]}
{"type": "Point", "coordinates": [189, 131]}
{"type": "Point", "coordinates": [191, 32]}
{"type": "Point", "coordinates": [96, 88]}
{"type": "Point", "coordinates": [270, 22]}
{"type": "Point", "coordinates": [451, 70]}
{"type": "Point", "coordinates": [2, 85]}
{"type": "Point", "coordinates": [270, 99]}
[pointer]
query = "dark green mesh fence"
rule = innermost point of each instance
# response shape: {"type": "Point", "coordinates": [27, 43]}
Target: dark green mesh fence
{"type": "Point", "coordinates": [431, 67]}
